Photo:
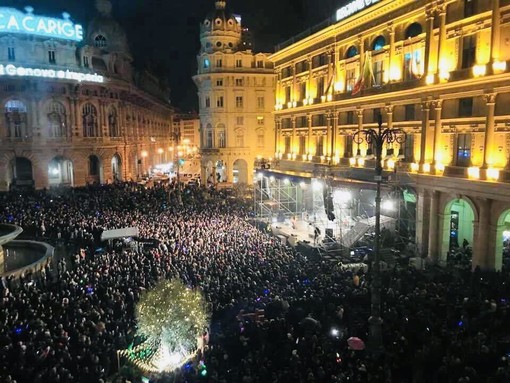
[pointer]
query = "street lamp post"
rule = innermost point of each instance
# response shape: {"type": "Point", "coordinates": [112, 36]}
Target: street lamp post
{"type": "Point", "coordinates": [376, 138]}
{"type": "Point", "coordinates": [176, 140]}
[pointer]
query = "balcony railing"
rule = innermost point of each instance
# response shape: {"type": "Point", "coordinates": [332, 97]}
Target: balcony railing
{"type": "Point", "coordinates": [455, 171]}
{"type": "Point", "coordinates": [210, 150]}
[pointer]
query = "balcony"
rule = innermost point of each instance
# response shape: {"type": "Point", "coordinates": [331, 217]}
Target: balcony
{"type": "Point", "coordinates": [461, 74]}
{"type": "Point", "coordinates": [455, 171]}
{"type": "Point", "coordinates": [209, 151]}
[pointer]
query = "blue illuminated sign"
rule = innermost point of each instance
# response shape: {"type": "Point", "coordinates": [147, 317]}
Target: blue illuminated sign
{"type": "Point", "coordinates": [14, 21]}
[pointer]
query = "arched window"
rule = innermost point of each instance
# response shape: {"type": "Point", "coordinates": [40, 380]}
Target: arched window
{"type": "Point", "coordinates": [222, 137]}
{"type": "Point", "coordinates": [57, 121]}
{"type": "Point", "coordinates": [378, 43]}
{"type": "Point", "coordinates": [208, 136]}
{"type": "Point", "coordinates": [93, 165]}
{"type": "Point", "coordinates": [89, 119]}
{"type": "Point", "coordinates": [113, 126]}
{"type": "Point", "coordinates": [16, 118]}
{"type": "Point", "coordinates": [413, 30]}
{"type": "Point", "coordinates": [100, 41]}
{"type": "Point", "coordinates": [351, 52]}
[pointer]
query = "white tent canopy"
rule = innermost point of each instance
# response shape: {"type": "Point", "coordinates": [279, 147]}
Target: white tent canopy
{"type": "Point", "coordinates": [119, 233]}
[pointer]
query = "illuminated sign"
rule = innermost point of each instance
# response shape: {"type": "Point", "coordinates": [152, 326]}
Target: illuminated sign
{"type": "Point", "coordinates": [11, 70]}
{"type": "Point", "coordinates": [14, 21]}
{"type": "Point", "coordinates": [353, 7]}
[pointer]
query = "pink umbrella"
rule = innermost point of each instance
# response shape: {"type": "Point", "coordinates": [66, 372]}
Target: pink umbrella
{"type": "Point", "coordinates": [355, 343]}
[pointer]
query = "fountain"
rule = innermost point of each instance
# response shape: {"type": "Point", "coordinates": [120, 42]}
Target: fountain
{"type": "Point", "coordinates": [18, 257]}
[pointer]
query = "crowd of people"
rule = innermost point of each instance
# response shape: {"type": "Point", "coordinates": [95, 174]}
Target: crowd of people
{"type": "Point", "coordinates": [278, 314]}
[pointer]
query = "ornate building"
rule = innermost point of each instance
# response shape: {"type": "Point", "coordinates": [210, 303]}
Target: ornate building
{"type": "Point", "coordinates": [75, 112]}
{"type": "Point", "coordinates": [436, 69]}
{"type": "Point", "coordinates": [236, 98]}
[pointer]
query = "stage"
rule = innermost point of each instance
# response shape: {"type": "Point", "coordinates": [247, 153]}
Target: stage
{"type": "Point", "coordinates": [345, 234]}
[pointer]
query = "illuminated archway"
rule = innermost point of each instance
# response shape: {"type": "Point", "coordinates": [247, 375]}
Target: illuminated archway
{"type": "Point", "coordinates": [95, 174]}
{"type": "Point", "coordinates": [240, 172]}
{"type": "Point", "coordinates": [221, 171]}
{"type": "Point", "coordinates": [116, 168]}
{"type": "Point", "coordinates": [502, 256]}
{"type": "Point", "coordinates": [21, 172]}
{"type": "Point", "coordinates": [209, 172]}
{"type": "Point", "coordinates": [60, 172]}
{"type": "Point", "coordinates": [458, 218]}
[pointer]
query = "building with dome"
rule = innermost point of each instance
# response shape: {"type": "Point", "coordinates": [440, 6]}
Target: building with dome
{"type": "Point", "coordinates": [75, 111]}
{"type": "Point", "coordinates": [236, 98]}
{"type": "Point", "coordinates": [439, 71]}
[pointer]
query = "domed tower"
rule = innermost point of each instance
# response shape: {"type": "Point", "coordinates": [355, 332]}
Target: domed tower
{"type": "Point", "coordinates": [107, 48]}
{"type": "Point", "coordinates": [220, 30]}
{"type": "Point", "coordinates": [236, 97]}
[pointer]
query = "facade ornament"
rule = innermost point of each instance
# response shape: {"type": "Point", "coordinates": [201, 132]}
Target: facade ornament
{"type": "Point", "coordinates": [390, 28]}
{"type": "Point", "coordinates": [490, 98]}
{"type": "Point", "coordinates": [388, 109]}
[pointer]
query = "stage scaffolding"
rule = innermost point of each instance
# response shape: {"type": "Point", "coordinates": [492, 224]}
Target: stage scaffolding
{"type": "Point", "coordinates": [276, 198]}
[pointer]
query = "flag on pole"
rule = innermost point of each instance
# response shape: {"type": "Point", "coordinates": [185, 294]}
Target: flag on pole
{"type": "Point", "coordinates": [366, 74]}
{"type": "Point", "coordinates": [331, 80]}
{"type": "Point", "coordinates": [416, 64]}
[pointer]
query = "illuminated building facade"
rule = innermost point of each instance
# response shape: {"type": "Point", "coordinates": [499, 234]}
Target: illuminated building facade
{"type": "Point", "coordinates": [75, 112]}
{"type": "Point", "coordinates": [236, 98]}
{"type": "Point", "coordinates": [186, 134]}
{"type": "Point", "coordinates": [188, 125]}
{"type": "Point", "coordinates": [436, 69]}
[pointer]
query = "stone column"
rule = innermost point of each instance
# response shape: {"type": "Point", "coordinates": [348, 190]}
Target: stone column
{"type": "Point", "coordinates": [278, 85]}
{"type": "Point", "coordinates": [336, 70]}
{"type": "Point", "coordinates": [433, 226]}
{"type": "Point", "coordinates": [495, 32]}
{"type": "Point", "coordinates": [480, 235]}
{"type": "Point", "coordinates": [329, 85]}
{"type": "Point", "coordinates": [293, 137]}
{"type": "Point", "coordinates": [102, 119]}
{"type": "Point", "coordinates": [276, 136]}
{"type": "Point", "coordinates": [391, 33]}
{"type": "Point", "coordinates": [309, 138]}
{"type": "Point", "coordinates": [495, 247]}
{"type": "Point", "coordinates": [361, 46]}
{"type": "Point", "coordinates": [488, 145]}
{"type": "Point", "coordinates": [69, 118]}
{"type": "Point", "coordinates": [437, 129]}
{"type": "Point", "coordinates": [430, 66]}
{"type": "Point", "coordinates": [425, 129]}
{"type": "Point", "coordinates": [444, 220]}
{"type": "Point", "coordinates": [294, 83]}
{"type": "Point", "coordinates": [334, 134]}
{"type": "Point", "coordinates": [309, 83]}
{"type": "Point", "coordinates": [77, 128]}
{"type": "Point", "coordinates": [33, 127]}
{"type": "Point", "coordinates": [423, 222]}
{"type": "Point", "coordinates": [441, 49]}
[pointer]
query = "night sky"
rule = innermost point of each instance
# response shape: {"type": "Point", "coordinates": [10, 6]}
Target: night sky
{"type": "Point", "coordinates": [164, 34]}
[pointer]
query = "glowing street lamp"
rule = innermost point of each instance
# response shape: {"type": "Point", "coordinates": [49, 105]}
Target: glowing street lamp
{"type": "Point", "coordinates": [377, 138]}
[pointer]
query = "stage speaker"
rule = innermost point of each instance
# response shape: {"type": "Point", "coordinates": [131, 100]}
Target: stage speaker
{"type": "Point", "coordinates": [328, 205]}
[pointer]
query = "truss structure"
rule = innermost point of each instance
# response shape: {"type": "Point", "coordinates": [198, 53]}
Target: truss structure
{"type": "Point", "coordinates": [276, 198]}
